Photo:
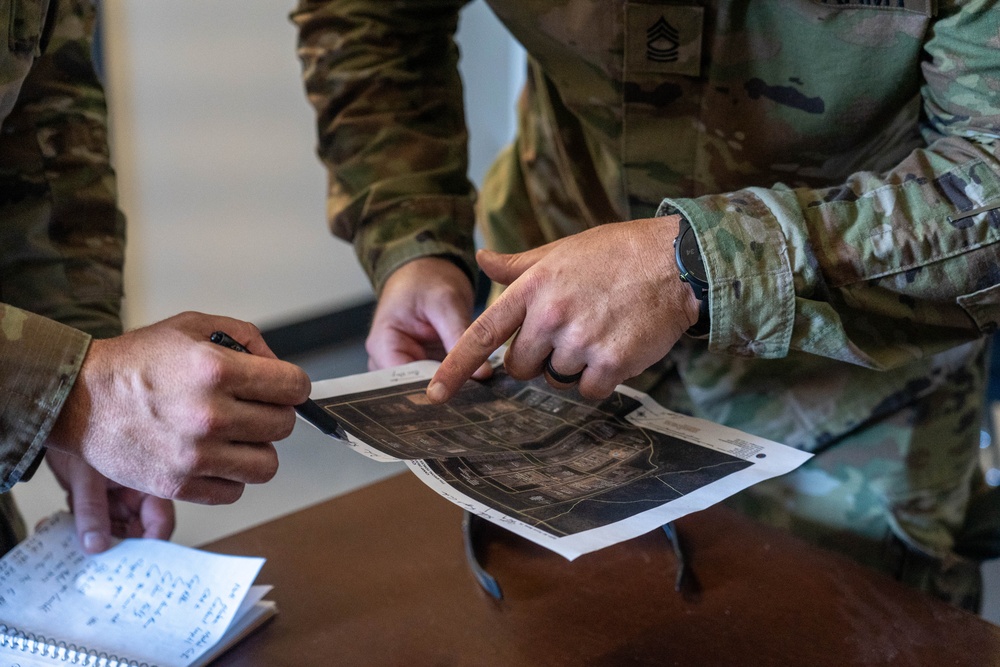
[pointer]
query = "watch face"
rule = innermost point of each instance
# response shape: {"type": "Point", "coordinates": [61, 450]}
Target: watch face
{"type": "Point", "coordinates": [690, 255]}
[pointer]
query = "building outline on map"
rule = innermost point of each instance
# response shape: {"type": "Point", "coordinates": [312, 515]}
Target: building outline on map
{"type": "Point", "coordinates": [551, 459]}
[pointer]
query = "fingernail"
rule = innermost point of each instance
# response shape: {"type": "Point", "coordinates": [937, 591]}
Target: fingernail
{"type": "Point", "coordinates": [435, 392]}
{"type": "Point", "coordinates": [95, 542]}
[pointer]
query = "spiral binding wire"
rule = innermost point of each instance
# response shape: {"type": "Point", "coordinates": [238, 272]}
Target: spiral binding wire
{"type": "Point", "coordinates": [71, 654]}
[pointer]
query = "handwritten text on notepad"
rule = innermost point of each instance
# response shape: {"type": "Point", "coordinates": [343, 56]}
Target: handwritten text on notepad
{"type": "Point", "coordinates": [152, 594]}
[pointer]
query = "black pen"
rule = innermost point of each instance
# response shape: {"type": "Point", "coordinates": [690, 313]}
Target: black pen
{"type": "Point", "coordinates": [310, 410]}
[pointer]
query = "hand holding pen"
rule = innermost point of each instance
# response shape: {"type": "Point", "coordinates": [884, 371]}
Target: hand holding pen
{"type": "Point", "coordinates": [159, 411]}
{"type": "Point", "coordinates": [308, 410]}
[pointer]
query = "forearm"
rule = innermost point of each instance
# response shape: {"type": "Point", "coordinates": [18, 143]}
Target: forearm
{"type": "Point", "coordinates": [383, 79]}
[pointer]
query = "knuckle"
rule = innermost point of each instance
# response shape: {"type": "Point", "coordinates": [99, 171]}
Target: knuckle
{"type": "Point", "coordinates": [557, 314]}
{"type": "Point", "coordinates": [208, 368]}
{"type": "Point", "coordinates": [305, 386]}
{"type": "Point", "coordinates": [286, 424]}
{"type": "Point", "coordinates": [178, 489]}
{"type": "Point", "coordinates": [206, 421]}
{"type": "Point", "coordinates": [231, 494]}
{"type": "Point", "coordinates": [264, 466]}
{"type": "Point", "coordinates": [484, 332]}
{"type": "Point", "coordinates": [604, 373]}
{"type": "Point", "coordinates": [521, 373]}
{"type": "Point", "coordinates": [515, 368]}
{"type": "Point", "coordinates": [612, 360]}
{"type": "Point", "coordinates": [269, 468]}
{"type": "Point", "coordinates": [187, 463]}
{"type": "Point", "coordinates": [608, 364]}
{"type": "Point", "coordinates": [576, 334]}
{"type": "Point", "coordinates": [536, 279]}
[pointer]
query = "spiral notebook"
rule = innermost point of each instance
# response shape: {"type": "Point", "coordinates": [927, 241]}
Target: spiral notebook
{"type": "Point", "coordinates": [143, 603]}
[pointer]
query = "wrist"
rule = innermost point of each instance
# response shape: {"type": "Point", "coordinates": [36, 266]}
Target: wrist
{"type": "Point", "coordinates": [70, 426]}
{"type": "Point", "coordinates": [66, 433]}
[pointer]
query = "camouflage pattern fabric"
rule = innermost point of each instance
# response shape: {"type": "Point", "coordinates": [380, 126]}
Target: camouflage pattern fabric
{"type": "Point", "coordinates": [838, 162]}
{"type": "Point", "coordinates": [409, 196]}
{"type": "Point", "coordinates": [61, 235]}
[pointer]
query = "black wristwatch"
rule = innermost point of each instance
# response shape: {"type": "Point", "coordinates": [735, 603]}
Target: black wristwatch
{"type": "Point", "coordinates": [692, 268]}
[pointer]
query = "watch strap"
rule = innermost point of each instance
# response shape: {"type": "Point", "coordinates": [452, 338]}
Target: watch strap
{"type": "Point", "coordinates": [698, 285]}
{"type": "Point", "coordinates": [704, 323]}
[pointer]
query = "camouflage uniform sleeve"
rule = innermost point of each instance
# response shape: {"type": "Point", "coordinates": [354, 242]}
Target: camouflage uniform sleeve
{"type": "Point", "coordinates": [887, 267]}
{"type": "Point", "coordinates": [39, 361]}
{"type": "Point", "coordinates": [384, 81]}
{"type": "Point", "coordinates": [61, 237]}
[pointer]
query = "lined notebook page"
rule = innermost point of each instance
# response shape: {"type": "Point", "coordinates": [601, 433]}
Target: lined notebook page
{"type": "Point", "coordinates": [149, 600]}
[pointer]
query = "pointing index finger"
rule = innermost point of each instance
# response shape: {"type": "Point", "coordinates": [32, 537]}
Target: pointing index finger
{"type": "Point", "coordinates": [488, 332]}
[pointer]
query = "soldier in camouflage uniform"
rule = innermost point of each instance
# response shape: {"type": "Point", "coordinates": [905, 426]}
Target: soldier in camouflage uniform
{"type": "Point", "coordinates": [159, 410]}
{"type": "Point", "coordinates": [838, 163]}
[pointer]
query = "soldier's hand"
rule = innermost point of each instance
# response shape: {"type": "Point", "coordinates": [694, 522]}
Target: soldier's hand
{"type": "Point", "coordinates": [425, 306]}
{"type": "Point", "coordinates": [164, 411]}
{"type": "Point", "coordinates": [607, 302]}
{"type": "Point", "coordinates": [102, 508]}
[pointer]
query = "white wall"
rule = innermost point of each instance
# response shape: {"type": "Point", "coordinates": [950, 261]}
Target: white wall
{"type": "Point", "coordinates": [214, 146]}
{"type": "Point", "coordinates": [213, 141]}
{"type": "Point", "coordinates": [493, 69]}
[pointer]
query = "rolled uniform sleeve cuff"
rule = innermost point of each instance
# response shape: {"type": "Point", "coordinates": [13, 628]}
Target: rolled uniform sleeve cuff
{"type": "Point", "coordinates": [751, 288]}
{"type": "Point", "coordinates": [419, 227]}
{"type": "Point", "coordinates": [39, 362]}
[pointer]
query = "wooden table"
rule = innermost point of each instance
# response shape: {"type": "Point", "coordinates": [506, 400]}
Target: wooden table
{"type": "Point", "coordinates": [378, 577]}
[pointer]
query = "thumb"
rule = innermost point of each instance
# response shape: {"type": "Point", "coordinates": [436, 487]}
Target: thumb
{"type": "Point", "coordinates": [90, 509]}
{"type": "Point", "coordinates": [450, 325]}
{"type": "Point", "coordinates": [505, 269]}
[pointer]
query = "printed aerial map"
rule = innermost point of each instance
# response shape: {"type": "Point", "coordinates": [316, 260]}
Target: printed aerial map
{"type": "Point", "coordinates": [552, 459]}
